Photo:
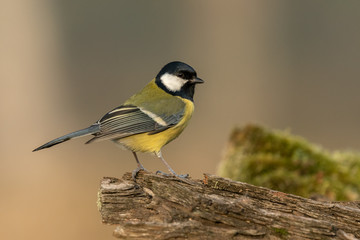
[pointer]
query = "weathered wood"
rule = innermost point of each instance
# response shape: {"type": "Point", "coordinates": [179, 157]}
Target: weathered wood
{"type": "Point", "coordinates": [159, 207]}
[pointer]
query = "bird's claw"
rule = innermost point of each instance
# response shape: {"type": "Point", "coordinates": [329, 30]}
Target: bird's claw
{"type": "Point", "coordinates": [136, 171]}
{"type": "Point", "coordinates": [171, 174]}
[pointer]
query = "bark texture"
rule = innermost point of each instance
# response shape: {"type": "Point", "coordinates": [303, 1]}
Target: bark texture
{"type": "Point", "coordinates": [159, 207]}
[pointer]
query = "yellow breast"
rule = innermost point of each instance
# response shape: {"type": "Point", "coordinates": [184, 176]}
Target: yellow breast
{"type": "Point", "coordinates": [153, 143]}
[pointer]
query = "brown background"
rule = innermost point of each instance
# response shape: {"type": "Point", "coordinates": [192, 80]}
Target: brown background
{"type": "Point", "coordinates": [63, 64]}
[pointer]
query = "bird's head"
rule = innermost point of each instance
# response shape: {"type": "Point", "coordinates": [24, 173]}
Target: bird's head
{"type": "Point", "coordinates": [178, 79]}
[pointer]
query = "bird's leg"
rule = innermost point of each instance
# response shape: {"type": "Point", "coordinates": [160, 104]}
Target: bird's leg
{"type": "Point", "coordinates": [159, 154]}
{"type": "Point", "coordinates": [140, 167]}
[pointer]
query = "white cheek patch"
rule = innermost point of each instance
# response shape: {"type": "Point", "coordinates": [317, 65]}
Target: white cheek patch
{"type": "Point", "coordinates": [172, 82]}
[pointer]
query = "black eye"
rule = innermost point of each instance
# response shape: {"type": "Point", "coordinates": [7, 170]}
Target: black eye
{"type": "Point", "coordinates": [181, 75]}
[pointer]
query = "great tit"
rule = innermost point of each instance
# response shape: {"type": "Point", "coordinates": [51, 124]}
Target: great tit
{"type": "Point", "coordinates": [151, 118]}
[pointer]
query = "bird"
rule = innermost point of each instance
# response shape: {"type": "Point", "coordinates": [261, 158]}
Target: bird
{"type": "Point", "coordinates": [149, 119]}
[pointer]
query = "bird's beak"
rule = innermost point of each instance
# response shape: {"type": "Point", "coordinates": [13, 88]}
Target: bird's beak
{"type": "Point", "coordinates": [197, 80]}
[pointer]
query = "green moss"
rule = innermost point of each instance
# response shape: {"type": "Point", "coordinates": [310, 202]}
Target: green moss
{"type": "Point", "coordinates": [280, 232]}
{"type": "Point", "coordinates": [98, 201]}
{"type": "Point", "coordinates": [281, 161]}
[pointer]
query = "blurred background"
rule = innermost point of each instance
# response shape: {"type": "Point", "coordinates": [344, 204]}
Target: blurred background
{"type": "Point", "coordinates": [63, 64]}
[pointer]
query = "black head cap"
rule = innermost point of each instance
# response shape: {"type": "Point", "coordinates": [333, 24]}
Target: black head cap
{"type": "Point", "coordinates": [179, 79]}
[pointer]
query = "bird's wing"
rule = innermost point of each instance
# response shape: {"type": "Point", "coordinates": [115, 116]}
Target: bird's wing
{"type": "Point", "coordinates": [128, 120]}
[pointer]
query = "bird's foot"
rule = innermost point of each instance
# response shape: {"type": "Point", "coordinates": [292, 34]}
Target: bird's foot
{"type": "Point", "coordinates": [136, 171]}
{"type": "Point", "coordinates": [182, 177]}
{"type": "Point", "coordinates": [171, 174]}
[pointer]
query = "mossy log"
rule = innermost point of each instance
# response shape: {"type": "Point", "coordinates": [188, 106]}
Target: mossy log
{"type": "Point", "coordinates": [288, 163]}
{"type": "Point", "coordinates": [159, 207]}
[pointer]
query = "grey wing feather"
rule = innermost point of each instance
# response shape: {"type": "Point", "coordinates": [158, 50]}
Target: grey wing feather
{"type": "Point", "coordinates": [125, 121]}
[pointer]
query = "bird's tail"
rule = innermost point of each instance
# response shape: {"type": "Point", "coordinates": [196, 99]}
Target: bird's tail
{"type": "Point", "coordinates": [83, 132]}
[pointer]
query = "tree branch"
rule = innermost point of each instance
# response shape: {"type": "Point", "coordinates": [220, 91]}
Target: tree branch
{"type": "Point", "coordinates": [159, 207]}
